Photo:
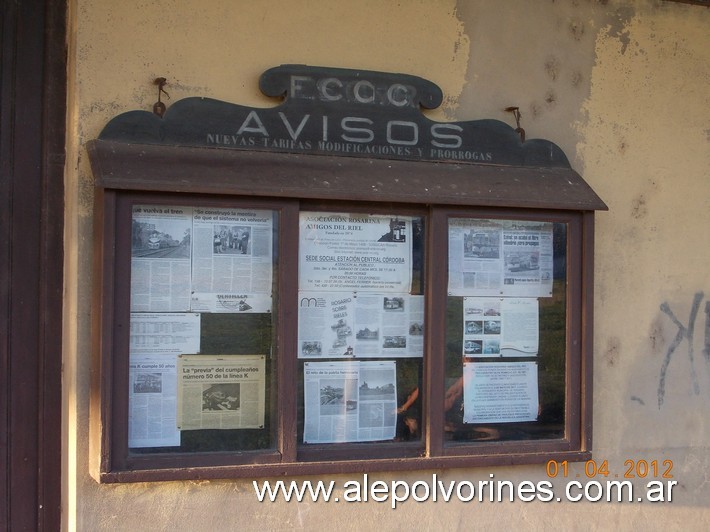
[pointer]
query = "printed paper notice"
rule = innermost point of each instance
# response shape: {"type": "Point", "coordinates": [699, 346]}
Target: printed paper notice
{"type": "Point", "coordinates": [221, 392]}
{"type": "Point", "coordinates": [500, 392]}
{"type": "Point", "coordinates": [341, 252]}
{"type": "Point", "coordinates": [167, 333]}
{"type": "Point", "coordinates": [232, 255]}
{"type": "Point", "coordinates": [348, 324]}
{"type": "Point", "coordinates": [152, 401]}
{"type": "Point", "coordinates": [231, 303]}
{"type": "Point", "coordinates": [500, 327]}
{"type": "Point", "coordinates": [160, 258]}
{"type": "Point", "coordinates": [500, 258]}
{"type": "Point", "coordinates": [349, 401]}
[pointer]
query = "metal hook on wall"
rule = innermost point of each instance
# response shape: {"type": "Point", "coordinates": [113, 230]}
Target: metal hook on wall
{"type": "Point", "coordinates": [159, 107]}
{"type": "Point", "coordinates": [516, 114]}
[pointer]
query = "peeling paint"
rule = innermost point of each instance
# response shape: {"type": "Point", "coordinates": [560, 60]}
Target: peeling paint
{"type": "Point", "coordinates": [550, 99]}
{"type": "Point", "coordinates": [617, 26]}
{"type": "Point", "coordinates": [552, 68]}
{"type": "Point", "coordinates": [576, 79]}
{"type": "Point", "coordinates": [613, 351]}
{"type": "Point", "coordinates": [639, 209]}
{"type": "Point", "coordinates": [576, 29]}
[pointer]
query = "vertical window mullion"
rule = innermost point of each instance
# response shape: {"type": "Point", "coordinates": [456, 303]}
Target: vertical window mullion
{"type": "Point", "coordinates": [434, 362]}
{"type": "Point", "coordinates": [287, 335]}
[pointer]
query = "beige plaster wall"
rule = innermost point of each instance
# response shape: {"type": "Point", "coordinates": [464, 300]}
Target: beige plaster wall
{"type": "Point", "coordinates": [621, 86]}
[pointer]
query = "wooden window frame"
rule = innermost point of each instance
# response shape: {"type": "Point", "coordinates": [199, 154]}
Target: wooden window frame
{"type": "Point", "coordinates": [129, 173]}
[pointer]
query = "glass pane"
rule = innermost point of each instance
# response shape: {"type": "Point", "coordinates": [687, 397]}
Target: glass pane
{"type": "Point", "coordinates": [505, 330]}
{"type": "Point", "coordinates": [361, 327]}
{"type": "Point", "coordinates": [201, 372]}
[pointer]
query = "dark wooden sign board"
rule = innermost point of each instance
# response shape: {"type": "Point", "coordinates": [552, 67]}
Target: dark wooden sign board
{"type": "Point", "coordinates": [337, 112]}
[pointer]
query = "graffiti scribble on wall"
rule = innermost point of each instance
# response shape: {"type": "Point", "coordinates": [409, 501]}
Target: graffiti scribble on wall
{"type": "Point", "coordinates": [685, 333]}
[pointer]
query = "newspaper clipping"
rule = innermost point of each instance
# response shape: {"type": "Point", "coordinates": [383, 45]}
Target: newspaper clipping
{"type": "Point", "coordinates": [349, 401]}
{"type": "Point", "coordinates": [349, 324]}
{"type": "Point", "coordinates": [220, 391]}
{"type": "Point", "coordinates": [152, 400]}
{"type": "Point", "coordinates": [160, 258]}
{"type": "Point", "coordinates": [500, 257]}
{"type": "Point", "coordinates": [203, 260]}
{"type": "Point", "coordinates": [232, 259]}
{"type": "Point", "coordinates": [500, 327]}
{"type": "Point", "coordinates": [500, 392]}
{"type": "Point", "coordinates": [340, 252]}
